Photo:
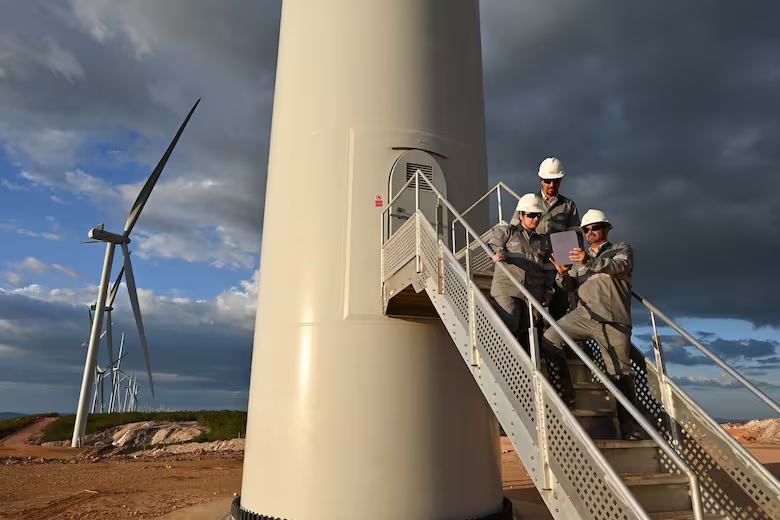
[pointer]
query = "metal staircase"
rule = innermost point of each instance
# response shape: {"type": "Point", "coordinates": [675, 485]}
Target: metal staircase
{"type": "Point", "coordinates": [690, 467]}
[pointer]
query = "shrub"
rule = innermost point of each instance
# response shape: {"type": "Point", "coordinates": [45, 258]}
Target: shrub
{"type": "Point", "coordinates": [222, 424]}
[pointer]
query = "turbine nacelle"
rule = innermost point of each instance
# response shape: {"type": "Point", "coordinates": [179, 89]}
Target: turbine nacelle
{"type": "Point", "coordinates": [106, 236]}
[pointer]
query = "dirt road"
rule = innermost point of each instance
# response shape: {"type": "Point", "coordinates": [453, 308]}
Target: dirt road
{"type": "Point", "coordinates": [65, 490]}
{"type": "Point", "coordinates": [14, 445]}
{"type": "Point", "coordinates": [188, 487]}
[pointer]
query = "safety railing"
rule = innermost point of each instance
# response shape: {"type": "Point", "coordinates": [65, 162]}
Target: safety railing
{"type": "Point", "coordinates": [545, 399]}
{"type": "Point", "coordinates": [718, 459]}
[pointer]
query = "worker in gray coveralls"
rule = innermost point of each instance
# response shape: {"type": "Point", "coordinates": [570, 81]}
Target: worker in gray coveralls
{"type": "Point", "coordinates": [559, 214]}
{"type": "Point", "coordinates": [601, 277]}
{"type": "Point", "coordinates": [525, 253]}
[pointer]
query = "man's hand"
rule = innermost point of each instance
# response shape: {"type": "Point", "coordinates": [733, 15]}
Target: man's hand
{"type": "Point", "coordinates": [563, 269]}
{"type": "Point", "coordinates": [578, 255]}
{"type": "Point", "coordinates": [499, 257]}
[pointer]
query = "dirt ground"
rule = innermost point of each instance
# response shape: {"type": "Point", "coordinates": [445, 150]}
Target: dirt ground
{"type": "Point", "coordinates": [71, 485]}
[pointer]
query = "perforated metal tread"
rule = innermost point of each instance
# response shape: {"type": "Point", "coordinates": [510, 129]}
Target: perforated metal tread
{"type": "Point", "coordinates": [594, 413]}
{"type": "Point", "coordinates": [606, 444]}
{"type": "Point", "coordinates": [589, 386]}
{"type": "Point", "coordinates": [684, 515]}
{"type": "Point", "coordinates": [653, 479]}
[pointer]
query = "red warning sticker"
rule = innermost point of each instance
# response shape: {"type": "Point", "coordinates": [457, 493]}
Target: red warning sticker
{"type": "Point", "coordinates": [379, 200]}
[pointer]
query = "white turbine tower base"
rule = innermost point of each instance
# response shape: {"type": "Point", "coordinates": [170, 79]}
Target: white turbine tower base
{"type": "Point", "coordinates": [112, 240]}
{"type": "Point", "coordinates": [353, 415]}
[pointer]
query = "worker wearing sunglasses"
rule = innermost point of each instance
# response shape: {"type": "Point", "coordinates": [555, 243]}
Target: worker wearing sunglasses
{"type": "Point", "coordinates": [602, 277]}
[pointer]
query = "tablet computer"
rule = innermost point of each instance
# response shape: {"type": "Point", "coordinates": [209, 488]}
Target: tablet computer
{"type": "Point", "coordinates": [563, 242]}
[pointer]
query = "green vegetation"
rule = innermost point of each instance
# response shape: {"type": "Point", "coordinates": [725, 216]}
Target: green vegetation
{"type": "Point", "coordinates": [222, 424]}
{"type": "Point", "coordinates": [14, 425]}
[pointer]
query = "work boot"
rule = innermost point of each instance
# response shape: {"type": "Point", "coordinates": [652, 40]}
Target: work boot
{"type": "Point", "coordinates": [629, 427]}
{"type": "Point", "coordinates": [558, 359]}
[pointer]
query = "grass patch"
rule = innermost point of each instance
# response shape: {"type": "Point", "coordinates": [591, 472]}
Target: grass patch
{"type": "Point", "coordinates": [10, 426]}
{"type": "Point", "coordinates": [222, 424]}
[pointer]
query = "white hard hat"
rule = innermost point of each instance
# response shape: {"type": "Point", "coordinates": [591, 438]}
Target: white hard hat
{"type": "Point", "coordinates": [592, 216]}
{"type": "Point", "coordinates": [551, 168]}
{"type": "Point", "coordinates": [529, 203]}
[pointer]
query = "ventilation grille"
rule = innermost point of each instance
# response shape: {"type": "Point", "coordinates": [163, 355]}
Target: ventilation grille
{"type": "Point", "coordinates": [426, 170]}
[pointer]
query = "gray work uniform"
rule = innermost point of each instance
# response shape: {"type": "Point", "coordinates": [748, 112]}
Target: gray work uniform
{"type": "Point", "coordinates": [525, 255]}
{"type": "Point", "coordinates": [561, 215]}
{"type": "Point", "coordinates": [603, 311]}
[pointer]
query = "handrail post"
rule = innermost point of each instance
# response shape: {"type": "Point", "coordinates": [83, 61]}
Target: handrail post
{"type": "Point", "coordinates": [439, 247]}
{"type": "Point", "coordinates": [474, 353]}
{"type": "Point", "coordinates": [663, 384]}
{"type": "Point", "coordinates": [452, 232]}
{"type": "Point", "coordinates": [418, 262]}
{"type": "Point", "coordinates": [541, 418]}
{"type": "Point", "coordinates": [500, 210]}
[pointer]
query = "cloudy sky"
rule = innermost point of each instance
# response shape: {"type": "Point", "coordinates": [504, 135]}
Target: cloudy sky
{"type": "Point", "coordinates": [663, 113]}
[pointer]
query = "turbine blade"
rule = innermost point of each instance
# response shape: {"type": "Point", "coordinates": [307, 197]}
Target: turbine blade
{"type": "Point", "coordinates": [115, 288]}
{"type": "Point", "coordinates": [131, 289]}
{"type": "Point", "coordinates": [143, 196]}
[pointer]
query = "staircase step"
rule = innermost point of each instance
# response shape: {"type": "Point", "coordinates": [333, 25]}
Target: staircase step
{"type": "Point", "coordinates": [598, 424]}
{"type": "Point", "coordinates": [594, 396]}
{"type": "Point", "coordinates": [660, 492]}
{"type": "Point", "coordinates": [483, 280]}
{"type": "Point", "coordinates": [631, 456]}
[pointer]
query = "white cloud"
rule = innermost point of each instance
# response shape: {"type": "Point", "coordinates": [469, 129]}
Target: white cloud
{"type": "Point", "coordinates": [62, 62]}
{"type": "Point", "coordinates": [105, 20]}
{"type": "Point", "coordinates": [11, 186]}
{"type": "Point", "coordinates": [57, 199]}
{"type": "Point", "coordinates": [218, 247]}
{"type": "Point", "coordinates": [36, 266]}
{"type": "Point", "coordinates": [10, 352]}
{"type": "Point", "coordinates": [46, 147]}
{"type": "Point", "coordinates": [177, 378]}
{"type": "Point", "coordinates": [76, 181]}
{"type": "Point", "coordinates": [14, 279]}
{"type": "Point", "coordinates": [33, 265]}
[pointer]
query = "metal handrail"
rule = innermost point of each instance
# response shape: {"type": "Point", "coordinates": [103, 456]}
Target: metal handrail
{"type": "Point", "coordinates": [677, 328]}
{"type": "Point", "coordinates": [636, 414]}
{"type": "Point", "coordinates": [707, 352]}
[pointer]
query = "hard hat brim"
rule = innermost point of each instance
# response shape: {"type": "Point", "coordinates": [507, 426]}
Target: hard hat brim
{"type": "Point", "coordinates": [551, 176]}
{"type": "Point", "coordinates": [583, 226]}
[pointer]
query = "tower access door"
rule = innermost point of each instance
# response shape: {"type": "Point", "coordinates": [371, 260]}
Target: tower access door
{"type": "Point", "coordinates": [403, 170]}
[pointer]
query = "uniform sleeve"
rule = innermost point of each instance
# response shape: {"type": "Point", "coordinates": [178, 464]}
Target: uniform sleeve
{"type": "Point", "coordinates": [574, 218]}
{"type": "Point", "coordinates": [566, 281]}
{"type": "Point", "coordinates": [620, 265]}
{"type": "Point", "coordinates": [498, 239]}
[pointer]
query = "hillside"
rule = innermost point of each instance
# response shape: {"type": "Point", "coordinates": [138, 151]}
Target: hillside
{"type": "Point", "coordinates": [4, 416]}
{"type": "Point", "coordinates": [764, 431]}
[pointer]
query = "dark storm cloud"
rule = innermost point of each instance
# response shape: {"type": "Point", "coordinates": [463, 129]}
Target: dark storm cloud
{"type": "Point", "coordinates": [664, 114]}
{"type": "Point", "coordinates": [678, 350]}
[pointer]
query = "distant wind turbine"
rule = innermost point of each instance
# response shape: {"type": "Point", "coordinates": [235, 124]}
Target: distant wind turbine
{"type": "Point", "coordinates": [112, 240]}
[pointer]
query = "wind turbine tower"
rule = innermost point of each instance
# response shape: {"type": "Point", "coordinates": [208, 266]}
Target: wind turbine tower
{"type": "Point", "coordinates": [353, 415]}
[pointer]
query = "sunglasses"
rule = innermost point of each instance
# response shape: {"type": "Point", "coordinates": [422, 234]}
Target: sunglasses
{"type": "Point", "coordinates": [551, 181]}
{"type": "Point", "coordinates": [532, 215]}
{"type": "Point", "coordinates": [597, 227]}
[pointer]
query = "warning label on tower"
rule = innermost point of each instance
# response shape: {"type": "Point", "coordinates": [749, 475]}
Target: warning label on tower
{"type": "Point", "coordinates": [379, 200]}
